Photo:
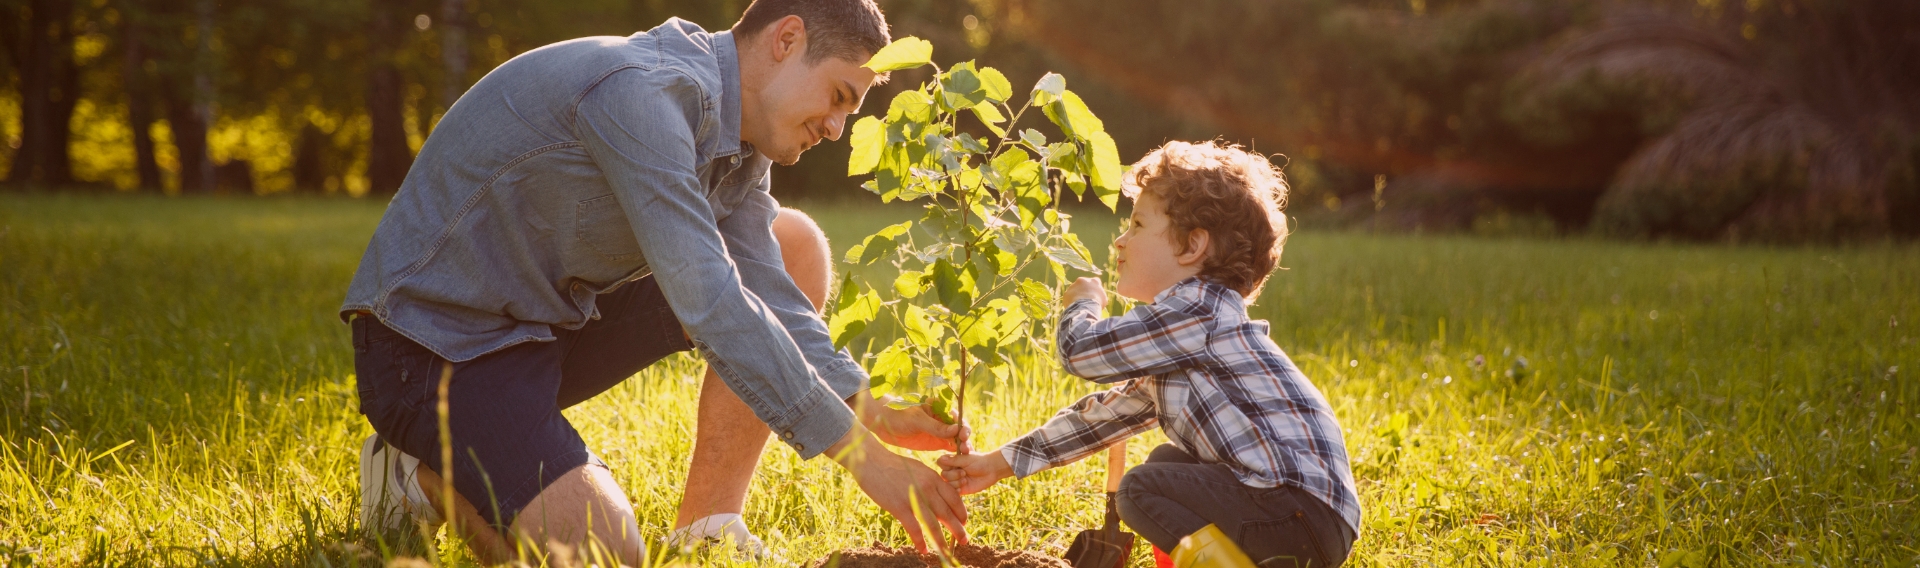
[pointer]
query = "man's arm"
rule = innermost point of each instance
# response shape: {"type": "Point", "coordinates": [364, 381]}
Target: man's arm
{"type": "Point", "coordinates": [638, 125]}
{"type": "Point", "coordinates": [756, 251]}
{"type": "Point", "coordinates": [748, 232]}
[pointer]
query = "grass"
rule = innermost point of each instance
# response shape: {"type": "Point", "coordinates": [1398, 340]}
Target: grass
{"type": "Point", "coordinates": [175, 389]}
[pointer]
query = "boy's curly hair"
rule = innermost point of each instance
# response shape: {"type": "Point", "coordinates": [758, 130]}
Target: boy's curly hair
{"type": "Point", "coordinates": [1235, 195]}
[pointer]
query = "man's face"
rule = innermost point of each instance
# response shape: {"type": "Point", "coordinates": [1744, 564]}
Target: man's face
{"type": "Point", "coordinates": [804, 103]}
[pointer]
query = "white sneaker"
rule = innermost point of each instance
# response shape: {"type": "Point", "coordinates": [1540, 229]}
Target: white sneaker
{"type": "Point", "coordinates": [390, 495]}
{"type": "Point", "coordinates": [719, 529]}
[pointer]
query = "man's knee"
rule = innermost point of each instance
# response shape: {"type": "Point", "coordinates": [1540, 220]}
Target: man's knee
{"type": "Point", "coordinates": [806, 254]}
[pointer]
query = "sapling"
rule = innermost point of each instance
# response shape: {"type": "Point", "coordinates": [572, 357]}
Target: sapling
{"type": "Point", "coordinates": [962, 298]}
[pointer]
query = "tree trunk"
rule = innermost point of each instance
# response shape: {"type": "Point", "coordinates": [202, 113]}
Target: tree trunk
{"type": "Point", "coordinates": [189, 139]}
{"type": "Point", "coordinates": [388, 158]}
{"type": "Point", "coordinates": [310, 161]}
{"type": "Point", "coordinates": [190, 109]}
{"type": "Point", "coordinates": [139, 87]}
{"type": "Point", "coordinates": [453, 50]}
{"type": "Point", "coordinates": [48, 88]}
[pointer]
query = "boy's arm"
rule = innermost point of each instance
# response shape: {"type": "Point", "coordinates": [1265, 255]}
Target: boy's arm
{"type": "Point", "coordinates": [1086, 427]}
{"type": "Point", "coordinates": [1150, 339]}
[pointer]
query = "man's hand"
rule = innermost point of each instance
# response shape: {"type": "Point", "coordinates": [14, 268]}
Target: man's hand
{"type": "Point", "coordinates": [897, 483]}
{"type": "Point", "coordinates": [1085, 288]}
{"type": "Point", "coordinates": [973, 473]}
{"type": "Point", "coordinates": [913, 428]}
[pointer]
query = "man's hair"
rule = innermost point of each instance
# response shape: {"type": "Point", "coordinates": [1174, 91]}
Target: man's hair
{"type": "Point", "coordinates": [1236, 196]}
{"type": "Point", "coordinates": [852, 30]}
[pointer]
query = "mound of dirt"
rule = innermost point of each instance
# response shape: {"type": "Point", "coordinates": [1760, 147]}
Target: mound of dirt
{"type": "Point", "coordinates": [970, 556]}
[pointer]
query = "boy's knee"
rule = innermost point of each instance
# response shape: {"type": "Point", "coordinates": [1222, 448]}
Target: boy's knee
{"type": "Point", "coordinates": [806, 254]}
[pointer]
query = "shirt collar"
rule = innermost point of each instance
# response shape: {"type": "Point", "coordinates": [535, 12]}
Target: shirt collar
{"type": "Point", "coordinates": [728, 55]}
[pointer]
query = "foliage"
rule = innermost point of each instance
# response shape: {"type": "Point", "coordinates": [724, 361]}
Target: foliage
{"type": "Point", "coordinates": [991, 210]}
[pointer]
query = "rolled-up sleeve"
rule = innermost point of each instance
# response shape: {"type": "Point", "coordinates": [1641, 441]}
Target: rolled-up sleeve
{"type": "Point", "coordinates": [639, 125]}
{"type": "Point", "coordinates": [750, 240]}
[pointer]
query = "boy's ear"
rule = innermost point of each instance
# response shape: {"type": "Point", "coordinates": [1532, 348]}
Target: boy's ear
{"type": "Point", "coordinates": [1197, 242]}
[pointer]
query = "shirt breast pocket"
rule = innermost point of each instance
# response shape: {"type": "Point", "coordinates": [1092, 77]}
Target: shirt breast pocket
{"type": "Point", "coordinates": [601, 225]}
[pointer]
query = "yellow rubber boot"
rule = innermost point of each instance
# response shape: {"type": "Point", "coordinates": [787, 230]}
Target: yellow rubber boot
{"type": "Point", "coordinates": [1209, 548]}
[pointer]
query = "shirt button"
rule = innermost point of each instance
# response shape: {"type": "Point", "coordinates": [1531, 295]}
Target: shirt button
{"type": "Point", "coordinates": [799, 447]}
{"type": "Point", "coordinates": [735, 159]}
{"type": "Point", "coordinates": [787, 434]}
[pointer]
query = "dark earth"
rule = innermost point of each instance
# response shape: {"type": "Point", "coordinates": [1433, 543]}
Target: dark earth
{"type": "Point", "coordinates": [970, 556]}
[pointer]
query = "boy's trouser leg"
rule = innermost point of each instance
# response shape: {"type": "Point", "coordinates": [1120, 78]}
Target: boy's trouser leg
{"type": "Point", "coordinates": [728, 438]}
{"type": "Point", "coordinates": [1172, 496]}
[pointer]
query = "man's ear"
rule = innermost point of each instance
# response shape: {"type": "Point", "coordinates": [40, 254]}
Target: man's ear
{"type": "Point", "coordinates": [789, 38]}
{"type": "Point", "coordinates": [1198, 240]}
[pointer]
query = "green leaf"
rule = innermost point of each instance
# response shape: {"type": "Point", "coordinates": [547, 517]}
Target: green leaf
{"type": "Point", "coordinates": [1107, 171]}
{"type": "Point", "coordinates": [990, 116]}
{"type": "Point", "coordinates": [1072, 255]}
{"type": "Point", "coordinates": [854, 314]}
{"type": "Point", "coordinates": [960, 87]}
{"type": "Point", "coordinates": [1033, 138]}
{"type": "Point", "coordinates": [978, 330]}
{"type": "Point", "coordinates": [909, 284]}
{"type": "Point", "coordinates": [995, 84]}
{"type": "Point", "coordinates": [1073, 117]}
{"type": "Point", "coordinates": [878, 244]}
{"type": "Point", "coordinates": [1000, 170]}
{"type": "Point", "coordinates": [1036, 298]}
{"type": "Point", "coordinates": [953, 288]}
{"type": "Point", "coordinates": [920, 328]}
{"type": "Point", "coordinates": [904, 53]}
{"type": "Point", "coordinates": [914, 106]}
{"type": "Point", "coordinates": [869, 139]}
{"type": "Point", "coordinates": [1073, 240]}
{"type": "Point", "coordinates": [893, 363]}
{"type": "Point", "coordinates": [1048, 89]}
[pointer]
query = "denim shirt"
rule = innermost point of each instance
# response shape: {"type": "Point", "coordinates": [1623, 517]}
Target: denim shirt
{"type": "Point", "coordinates": [579, 167]}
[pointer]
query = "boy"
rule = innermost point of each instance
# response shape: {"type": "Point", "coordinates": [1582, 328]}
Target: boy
{"type": "Point", "coordinates": [1257, 469]}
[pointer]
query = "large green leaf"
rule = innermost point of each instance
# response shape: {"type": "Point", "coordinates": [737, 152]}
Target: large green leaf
{"type": "Point", "coordinates": [1036, 298]}
{"type": "Point", "coordinates": [869, 139]}
{"type": "Point", "coordinates": [1073, 116]}
{"type": "Point", "coordinates": [921, 330]}
{"type": "Point", "coordinates": [995, 84]}
{"type": "Point", "coordinates": [892, 365]}
{"type": "Point", "coordinates": [914, 106]}
{"type": "Point", "coordinates": [1105, 176]}
{"type": "Point", "coordinates": [960, 87]}
{"type": "Point", "coordinates": [853, 315]}
{"type": "Point", "coordinates": [910, 283]}
{"type": "Point", "coordinates": [953, 287]}
{"type": "Point", "coordinates": [904, 53]}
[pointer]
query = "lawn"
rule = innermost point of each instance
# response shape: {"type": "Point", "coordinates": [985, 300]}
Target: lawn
{"type": "Point", "coordinates": [175, 389]}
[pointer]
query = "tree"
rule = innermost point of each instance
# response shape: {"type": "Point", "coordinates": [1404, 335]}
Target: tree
{"type": "Point", "coordinates": [961, 295]}
{"type": "Point", "coordinates": [388, 157]}
{"type": "Point", "coordinates": [49, 90]}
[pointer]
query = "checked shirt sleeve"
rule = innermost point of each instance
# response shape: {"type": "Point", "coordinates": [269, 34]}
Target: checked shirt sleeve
{"type": "Point", "coordinates": [1090, 425]}
{"type": "Point", "coordinates": [1150, 339]}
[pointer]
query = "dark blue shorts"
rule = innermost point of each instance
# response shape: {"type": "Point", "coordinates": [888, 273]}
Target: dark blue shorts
{"type": "Point", "coordinates": [509, 439]}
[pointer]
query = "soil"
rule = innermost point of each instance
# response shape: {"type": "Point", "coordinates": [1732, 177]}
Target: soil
{"type": "Point", "coordinates": [970, 556]}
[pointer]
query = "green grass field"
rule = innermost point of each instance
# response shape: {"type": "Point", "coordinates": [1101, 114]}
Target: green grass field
{"type": "Point", "coordinates": [175, 389]}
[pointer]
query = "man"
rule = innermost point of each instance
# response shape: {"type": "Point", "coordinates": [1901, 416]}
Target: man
{"type": "Point", "coordinates": [586, 209]}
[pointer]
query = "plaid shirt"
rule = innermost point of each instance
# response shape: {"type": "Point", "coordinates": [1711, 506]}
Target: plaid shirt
{"type": "Point", "coordinates": [1194, 364]}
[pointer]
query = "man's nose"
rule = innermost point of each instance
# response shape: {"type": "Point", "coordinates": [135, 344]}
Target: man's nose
{"type": "Point", "coordinates": [834, 125]}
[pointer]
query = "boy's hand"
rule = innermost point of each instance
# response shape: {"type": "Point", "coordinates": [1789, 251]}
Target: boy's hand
{"type": "Point", "coordinates": [973, 473]}
{"type": "Point", "coordinates": [1085, 288]}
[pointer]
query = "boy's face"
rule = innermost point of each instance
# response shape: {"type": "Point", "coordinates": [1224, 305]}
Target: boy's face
{"type": "Point", "coordinates": [1146, 258]}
